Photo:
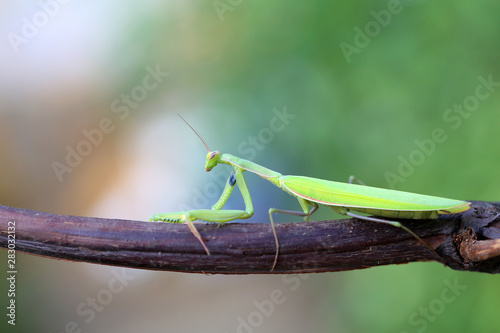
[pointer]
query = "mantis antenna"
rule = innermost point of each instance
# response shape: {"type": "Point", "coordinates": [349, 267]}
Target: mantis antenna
{"type": "Point", "coordinates": [191, 127]}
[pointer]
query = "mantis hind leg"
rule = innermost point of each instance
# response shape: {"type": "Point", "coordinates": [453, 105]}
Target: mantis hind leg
{"type": "Point", "coordinates": [353, 179]}
{"type": "Point", "coordinates": [306, 213]}
{"type": "Point", "coordinates": [395, 224]}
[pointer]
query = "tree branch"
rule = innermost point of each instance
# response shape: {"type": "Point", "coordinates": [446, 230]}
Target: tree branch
{"type": "Point", "coordinates": [468, 241]}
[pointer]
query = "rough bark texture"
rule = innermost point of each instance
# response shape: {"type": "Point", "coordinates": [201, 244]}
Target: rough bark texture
{"type": "Point", "coordinates": [468, 241]}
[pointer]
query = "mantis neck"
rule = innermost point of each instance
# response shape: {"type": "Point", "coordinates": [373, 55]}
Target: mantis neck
{"type": "Point", "coordinates": [250, 166]}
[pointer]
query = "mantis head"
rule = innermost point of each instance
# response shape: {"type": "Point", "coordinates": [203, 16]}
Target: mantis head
{"type": "Point", "coordinates": [213, 158]}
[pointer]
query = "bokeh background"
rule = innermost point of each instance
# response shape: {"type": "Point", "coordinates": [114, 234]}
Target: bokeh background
{"type": "Point", "coordinates": [318, 88]}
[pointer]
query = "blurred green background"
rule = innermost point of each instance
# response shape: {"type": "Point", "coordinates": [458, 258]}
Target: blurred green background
{"type": "Point", "coordinates": [318, 88]}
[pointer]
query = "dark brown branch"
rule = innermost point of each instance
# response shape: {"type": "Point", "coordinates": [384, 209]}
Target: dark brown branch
{"type": "Point", "coordinates": [468, 241]}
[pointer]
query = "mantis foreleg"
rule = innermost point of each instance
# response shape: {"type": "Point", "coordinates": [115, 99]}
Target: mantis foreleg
{"type": "Point", "coordinates": [228, 189]}
{"type": "Point", "coordinates": [215, 214]}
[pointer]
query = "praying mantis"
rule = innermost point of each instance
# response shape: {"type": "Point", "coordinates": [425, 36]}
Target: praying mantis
{"type": "Point", "coordinates": [344, 198]}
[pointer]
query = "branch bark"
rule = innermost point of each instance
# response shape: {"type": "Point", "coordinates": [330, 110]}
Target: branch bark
{"type": "Point", "coordinates": [468, 241]}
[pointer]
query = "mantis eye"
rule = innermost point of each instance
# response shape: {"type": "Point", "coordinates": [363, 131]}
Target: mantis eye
{"type": "Point", "coordinates": [212, 155]}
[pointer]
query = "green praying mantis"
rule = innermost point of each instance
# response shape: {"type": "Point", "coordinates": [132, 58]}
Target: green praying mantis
{"type": "Point", "coordinates": [343, 198]}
